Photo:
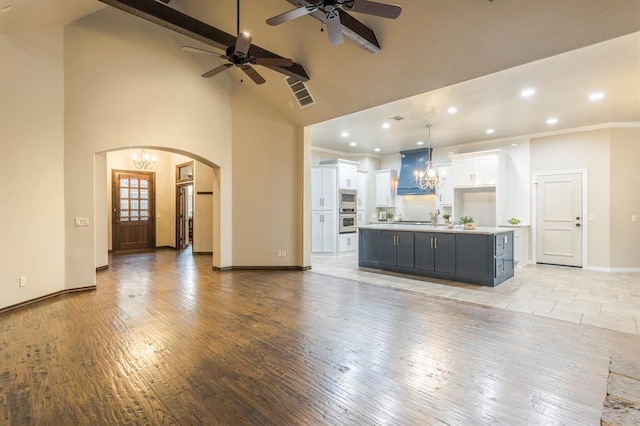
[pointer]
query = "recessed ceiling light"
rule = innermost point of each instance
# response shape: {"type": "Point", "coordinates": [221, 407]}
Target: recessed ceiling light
{"type": "Point", "coordinates": [5, 9]}
{"type": "Point", "coordinates": [451, 153]}
{"type": "Point", "coordinates": [596, 96]}
{"type": "Point", "coordinates": [452, 110]}
{"type": "Point", "coordinates": [386, 125]}
{"type": "Point", "coordinates": [528, 92]}
{"type": "Point", "coordinates": [353, 144]}
{"type": "Point", "coordinates": [490, 131]}
{"type": "Point", "coordinates": [377, 150]}
{"type": "Point", "coordinates": [344, 134]}
{"type": "Point", "coordinates": [514, 144]}
{"type": "Point", "coordinates": [419, 143]}
{"type": "Point", "coordinates": [552, 120]}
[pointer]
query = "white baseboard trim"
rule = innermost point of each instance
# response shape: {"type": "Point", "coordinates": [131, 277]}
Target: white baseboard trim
{"type": "Point", "coordinates": [611, 270]}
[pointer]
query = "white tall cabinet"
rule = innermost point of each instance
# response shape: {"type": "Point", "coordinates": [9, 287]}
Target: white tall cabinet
{"type": "Point", "coordinates": [362, 197]}
{"type": "Point", "coordinates": [327, 179]}
{"type": "Point", "coordinates": [444, 192]}
{"type": "Point", "coordinates": [324, 195]}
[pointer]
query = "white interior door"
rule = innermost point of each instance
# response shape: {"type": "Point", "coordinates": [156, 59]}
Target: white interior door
{"type": "Point", "coordinates": [559, 219]}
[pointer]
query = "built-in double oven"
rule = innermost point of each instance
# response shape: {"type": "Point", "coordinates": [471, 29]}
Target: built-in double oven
{"type": "Point", "coordinates": [347, 213]}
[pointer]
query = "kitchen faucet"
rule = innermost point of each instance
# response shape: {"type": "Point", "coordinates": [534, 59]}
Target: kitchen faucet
{"type": "Point", "coordinates": [434, 216]}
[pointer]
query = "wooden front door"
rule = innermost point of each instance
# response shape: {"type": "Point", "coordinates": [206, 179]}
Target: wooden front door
{"type": "Point", "coordinates": [134, 225]}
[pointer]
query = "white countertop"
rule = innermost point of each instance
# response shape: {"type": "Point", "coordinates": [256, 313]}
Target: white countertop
{"type": "Point", "coordinates": [430, 228]}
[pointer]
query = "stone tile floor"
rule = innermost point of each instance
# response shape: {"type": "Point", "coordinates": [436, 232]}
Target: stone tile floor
{"type": "Point", "coordinates": [622, 404]}
{"type": "Point", "coordinates": [599, 299]}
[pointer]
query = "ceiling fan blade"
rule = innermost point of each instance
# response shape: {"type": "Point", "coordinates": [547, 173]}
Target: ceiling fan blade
{"type": "Point", "coordinates": [243, 42]}
{"type": "Point", "coordinates": [216, 70]}
{"type": "Point", "coordinates": [292, 14]}
{"type": "Point", "coordinates": [199, 51]}
{"type": "Point", "coordinates": [334, 28]}
{"type": "Point", "coordinates": [279, 62]}
{"type": "Point", "coordinates": [383, 10]}
{"type": "Point", "coordinates": [253, 74]}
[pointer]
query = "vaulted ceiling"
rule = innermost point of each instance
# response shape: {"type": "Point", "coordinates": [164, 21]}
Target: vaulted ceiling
{"type": "Point", "coordinates": [432, 45]}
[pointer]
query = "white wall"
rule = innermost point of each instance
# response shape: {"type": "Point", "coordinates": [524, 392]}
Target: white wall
{"type": "Point", "coordinates": [32, 225]}
{"type": "Point", "coordinates": [128, 84]}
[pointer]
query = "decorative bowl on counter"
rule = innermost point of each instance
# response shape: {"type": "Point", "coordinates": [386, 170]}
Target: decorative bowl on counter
{"type": "Point", "coordinates": [514, 221]}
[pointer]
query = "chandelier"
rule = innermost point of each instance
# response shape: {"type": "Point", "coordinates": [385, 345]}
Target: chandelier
{"type": "Point", "coordinates": [428, 177]}
{"type": "Point", "coordinates": [143, 160]}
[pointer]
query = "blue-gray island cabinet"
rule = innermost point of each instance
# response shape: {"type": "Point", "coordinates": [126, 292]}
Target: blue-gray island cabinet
{"type": "Point", "coordinates": [483, 256]}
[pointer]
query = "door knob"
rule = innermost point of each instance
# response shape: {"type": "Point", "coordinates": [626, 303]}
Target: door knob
{"type": "Point", "coordinates": [578, 225]}
{"type": "Point", "coordinates": [577, 217]}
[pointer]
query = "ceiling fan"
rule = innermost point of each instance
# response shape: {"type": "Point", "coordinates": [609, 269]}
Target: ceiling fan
{"type": "Point", "coordinates": [332, 17]}
{"type": "Point", "coordinates": [240, 56]}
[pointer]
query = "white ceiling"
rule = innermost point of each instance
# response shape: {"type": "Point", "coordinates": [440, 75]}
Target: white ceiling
{"type": "Point", "coordinates": [562, 83]}
{"type": "Point", "coordinates": [476, 55]}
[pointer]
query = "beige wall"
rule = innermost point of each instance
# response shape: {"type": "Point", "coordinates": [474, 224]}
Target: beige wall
{"type": "Point", "coordinates": [266, 184]}
{"type": "Point", "coordinates": [32, 224]}
{"type": "Point", "coordinates": [128, 85]}
{"type": "Point", "coordinates": [203, 231]}
{"type": "Point", "coordinates": [590, 151]}
{"type": "Point", "coordinates": [625, 198]}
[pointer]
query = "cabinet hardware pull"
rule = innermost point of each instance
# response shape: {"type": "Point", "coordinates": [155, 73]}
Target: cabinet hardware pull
{"type": "Point", "coordinates": [431, 242]}
{"type": "Point", "coordinates": [435, 240]}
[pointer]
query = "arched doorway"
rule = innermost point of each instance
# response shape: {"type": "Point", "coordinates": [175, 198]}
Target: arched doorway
{"type": "Point", "coordinates": [205, 180]}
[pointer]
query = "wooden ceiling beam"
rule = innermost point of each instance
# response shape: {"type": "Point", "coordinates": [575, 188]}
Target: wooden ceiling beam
{"type": "Point", "coordinates": [165, 16]}
{"type": "Point", "coordinates": [351, 28]}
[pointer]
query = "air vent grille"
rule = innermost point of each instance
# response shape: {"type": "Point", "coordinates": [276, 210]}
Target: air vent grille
{"type": "Point", "coordinates": [300, 92]}
{"type": "Point", "coordinates": [396, 118]}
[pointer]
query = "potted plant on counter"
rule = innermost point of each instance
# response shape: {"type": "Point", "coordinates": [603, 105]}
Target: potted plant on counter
{"type": "Point", "coordinates": [446, 218]}
{"type": "Point", "coordinates": [468, 222]}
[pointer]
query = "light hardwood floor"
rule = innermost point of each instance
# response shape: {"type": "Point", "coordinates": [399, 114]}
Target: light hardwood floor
{"type": "Point", "coordinates": [166, 340]}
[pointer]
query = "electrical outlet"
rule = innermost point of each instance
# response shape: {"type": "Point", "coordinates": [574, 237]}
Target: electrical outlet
{"type": "Point", "coordinates": [82, 221]}
{"type": "Point", "coordinates": [279, 253]}
{"type": "Point", "coordinates": [23, 281]}
{"type": "Point", "coordinates": [284, 253]}
{"type": "Point", "coordinates": [634, 218]}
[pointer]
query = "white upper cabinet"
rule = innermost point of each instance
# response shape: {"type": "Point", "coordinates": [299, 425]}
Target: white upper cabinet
{"type": "Point", "coordinates": [386, 188]}
{"type": "Point", "coordinates": [348, 176]}
{"type": "Point", "coordinates": [476, 169]}
{"type": "Point", "coordinates": [323, 188]}
{"type": "Point", "coordinates": [444, 192]}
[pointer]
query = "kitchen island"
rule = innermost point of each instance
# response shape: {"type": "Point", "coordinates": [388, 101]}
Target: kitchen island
{"type": "Point", "coordinates": [482, 256]}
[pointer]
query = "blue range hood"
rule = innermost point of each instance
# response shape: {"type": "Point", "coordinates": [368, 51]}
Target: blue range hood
{"type": "Point", "coordinates": [413, 160]}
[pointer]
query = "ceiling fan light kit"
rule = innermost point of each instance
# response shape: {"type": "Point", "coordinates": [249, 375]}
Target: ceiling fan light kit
{"type": "Point", "coordinates": [239, 56]}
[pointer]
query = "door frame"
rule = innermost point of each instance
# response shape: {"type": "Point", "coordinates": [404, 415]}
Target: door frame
{"type": "Point", "coordinates": [584, 211]}
{"type": "Point", "coordinates": [177, 224]}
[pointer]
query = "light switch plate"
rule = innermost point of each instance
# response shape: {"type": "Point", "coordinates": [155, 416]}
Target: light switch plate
{"type": "Point", "coordinates": [592, 217]}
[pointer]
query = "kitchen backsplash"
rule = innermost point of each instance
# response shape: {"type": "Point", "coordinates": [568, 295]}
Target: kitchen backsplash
{"type": "Point", "coordinates": [415, 207]}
